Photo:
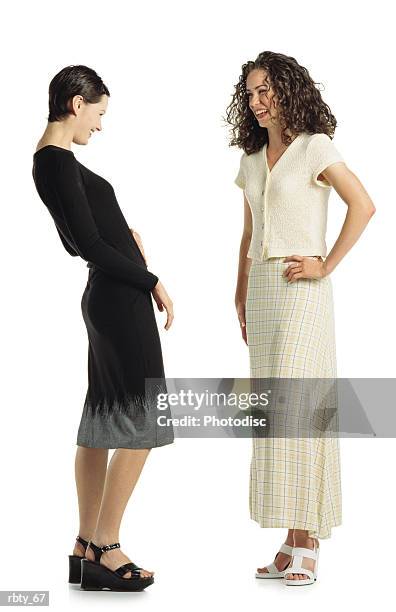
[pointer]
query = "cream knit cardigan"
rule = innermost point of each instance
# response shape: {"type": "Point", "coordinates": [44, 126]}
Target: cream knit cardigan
{"type": "Point", "coordinates": [289, 203]}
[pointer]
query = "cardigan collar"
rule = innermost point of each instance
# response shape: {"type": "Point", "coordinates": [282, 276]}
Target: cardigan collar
{"type": "Point", "coordinates": [279, 160]}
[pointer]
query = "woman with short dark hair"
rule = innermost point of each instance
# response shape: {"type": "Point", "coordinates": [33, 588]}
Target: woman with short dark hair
{"type": "Point", "coordinates": [124, 344]}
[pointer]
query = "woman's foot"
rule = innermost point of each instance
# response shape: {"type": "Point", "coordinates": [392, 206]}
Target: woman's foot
{"type": "Point", "coordinates": [303, 541]}
{"type": "Point", "coordinates": [282, 560]}
{"type": "Point", "coordinates": [113, 559]}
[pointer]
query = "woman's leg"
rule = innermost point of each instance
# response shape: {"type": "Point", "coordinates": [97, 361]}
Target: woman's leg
{"type": "Point", "coordinates": [120, 479]}
{"type": "Point", "coordinates": [122, 475]}
{"type": "Point", "coordinates": [90, 473]}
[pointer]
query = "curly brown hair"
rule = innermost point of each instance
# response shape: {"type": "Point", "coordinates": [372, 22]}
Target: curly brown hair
{"type": "Point", "coordinates": [300, 105]}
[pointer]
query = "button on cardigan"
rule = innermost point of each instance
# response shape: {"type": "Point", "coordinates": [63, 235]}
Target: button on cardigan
{"type": "Point", "coordinates": [288, 203]}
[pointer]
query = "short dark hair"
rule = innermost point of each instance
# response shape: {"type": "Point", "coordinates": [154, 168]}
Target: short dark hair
{"type": "Point", "coordinates": [72, 81]}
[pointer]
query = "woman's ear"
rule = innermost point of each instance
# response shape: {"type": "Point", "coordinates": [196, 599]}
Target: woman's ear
{"type": "Point", "coordinates": [74, 104]}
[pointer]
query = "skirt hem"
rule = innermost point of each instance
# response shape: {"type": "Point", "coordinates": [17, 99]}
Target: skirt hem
{"type": "Point", "coordinates": [136, 447]}
{"type": "Point", "coordinates": [322, 535]}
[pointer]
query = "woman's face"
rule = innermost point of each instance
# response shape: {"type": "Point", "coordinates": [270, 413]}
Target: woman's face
{"type": "Point", "coordinates": [88, 118]}
{"type": "Point", "coordinates": [262, 99]}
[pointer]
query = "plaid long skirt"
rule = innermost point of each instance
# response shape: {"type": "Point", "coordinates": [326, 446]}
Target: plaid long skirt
{"type": "Point", "coordinates": [295, 482]}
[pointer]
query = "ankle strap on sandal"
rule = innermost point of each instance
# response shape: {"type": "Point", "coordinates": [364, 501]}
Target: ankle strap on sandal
{"type": "Point", "coordinates": [82, 541]}
{"type": "Point", "coordinates": [110, 546]}
{"type": "Point", "coordinates": [99, 550]}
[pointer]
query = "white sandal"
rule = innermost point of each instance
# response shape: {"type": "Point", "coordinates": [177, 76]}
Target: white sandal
{"type": "Point", "coordinates": [273, 571]}
{"type": "Point", "coordinates": [296, 567]}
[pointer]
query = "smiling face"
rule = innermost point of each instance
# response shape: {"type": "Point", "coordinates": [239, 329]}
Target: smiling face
{"type": "Point", "coordinates": [87, 118]}
{"type": "Point", "coordinates": [262, 99]}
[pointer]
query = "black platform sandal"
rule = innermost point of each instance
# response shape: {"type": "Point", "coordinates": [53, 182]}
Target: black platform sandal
{"type": "Point", "coordinates": [75, 563]}
{"type": "Point", "coordinates": [96, 577]}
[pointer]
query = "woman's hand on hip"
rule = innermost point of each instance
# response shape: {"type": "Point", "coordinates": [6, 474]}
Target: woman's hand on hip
{"type": "Point", "coordinates": [163, 301]}
{"type": "Point", "coordinates": [302, 266]}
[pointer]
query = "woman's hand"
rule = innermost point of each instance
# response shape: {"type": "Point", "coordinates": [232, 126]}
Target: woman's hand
{"type": "Point", "coordinates": [304, 267]}
{"type": "Point", "coordinates": [163, 301]}
{"type": "Point", "coordinates": [241, 309]}
{"type": "Point", "coordinates": [159, 293]}
{"type": "Point", "coordinates": [139, 243]}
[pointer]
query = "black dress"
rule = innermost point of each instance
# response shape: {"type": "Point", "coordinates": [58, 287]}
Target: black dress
{"type": "Point", "coordinates": [124, 349]}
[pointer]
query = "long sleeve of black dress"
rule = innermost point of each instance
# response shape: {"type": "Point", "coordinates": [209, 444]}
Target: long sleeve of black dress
{"type": "Point", "coordinates": [69, 248]}
{"type": "Point", "coordinates": [59, 183]}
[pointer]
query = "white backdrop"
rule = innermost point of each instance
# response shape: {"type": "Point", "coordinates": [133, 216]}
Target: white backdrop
{"type": "Point", "coordinates": [170, 67]}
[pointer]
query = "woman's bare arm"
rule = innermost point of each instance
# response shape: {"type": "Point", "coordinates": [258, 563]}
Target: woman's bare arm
{"type": "Point", "coordinates": [360, 211]}
{"type": "Point", "coordinates": [243, 267]}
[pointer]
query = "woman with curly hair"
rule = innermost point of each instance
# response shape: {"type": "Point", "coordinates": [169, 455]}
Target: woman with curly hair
{"type": "Point", "coordinates": [284, 297]}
